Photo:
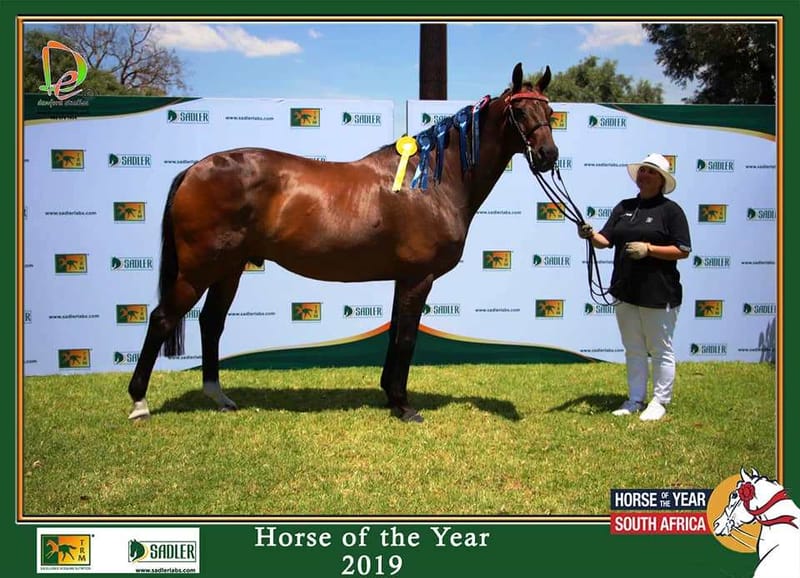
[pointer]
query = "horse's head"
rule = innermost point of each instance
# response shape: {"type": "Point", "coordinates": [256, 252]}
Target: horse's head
{"type": "Point", "coordinates": [529, 112]}
{"type": "Point", "coordinates": [745, 501]}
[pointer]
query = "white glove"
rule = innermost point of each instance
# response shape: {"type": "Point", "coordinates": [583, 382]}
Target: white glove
{"type": "Point", "coordinates": [637, 250]}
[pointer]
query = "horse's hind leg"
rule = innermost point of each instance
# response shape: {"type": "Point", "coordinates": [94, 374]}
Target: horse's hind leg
{"type": "Point", "coordinates": [212, 322]}
{"type": "Point", "coordinates": [408, 303]}
{"type": "Point", "coordinates": [163, 321]}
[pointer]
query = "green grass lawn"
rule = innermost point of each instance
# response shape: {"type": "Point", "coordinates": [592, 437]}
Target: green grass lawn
{"type": "Point", "coordinates": [497, 440]}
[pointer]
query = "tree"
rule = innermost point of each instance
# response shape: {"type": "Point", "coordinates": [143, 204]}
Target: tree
{"type": "Point", "coordinates": [590, 81]}
{"type": "Point", "coordinates": [122, 59]}
{"type": "Point", "coordinates": [733, 63]}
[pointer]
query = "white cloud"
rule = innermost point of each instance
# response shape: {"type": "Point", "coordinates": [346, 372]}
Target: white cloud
{"type": "Point", "coordinates": [608, 34]}
{"type": "Point", "coordinates": [199, 37]}
{"type": "Point", "coordinates": [314, 33]}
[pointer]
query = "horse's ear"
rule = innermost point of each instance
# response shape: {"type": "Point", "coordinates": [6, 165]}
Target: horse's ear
{"type": "Point", "coordinates": [745, 476]}
{"type": "Point", "coordinates": [754, 473]}
{"type": "Point", "coordinates": [544, 81]}
{"type": "Point", "coordinates": [516, 78]}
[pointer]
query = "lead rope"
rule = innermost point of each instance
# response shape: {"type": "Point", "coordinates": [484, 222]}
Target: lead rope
{"type": "Point", "coordinates": [558, 195]}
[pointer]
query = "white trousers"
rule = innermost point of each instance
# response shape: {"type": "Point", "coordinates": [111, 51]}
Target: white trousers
{"type": "Point", "coordinates": [646, 330]}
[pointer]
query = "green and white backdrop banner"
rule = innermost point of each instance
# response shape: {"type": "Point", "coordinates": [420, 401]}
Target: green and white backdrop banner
{"type": "Point", "coordinates": [95, 186]}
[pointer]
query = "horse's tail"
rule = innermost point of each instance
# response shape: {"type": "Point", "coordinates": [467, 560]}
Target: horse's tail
{"type": "Point", "coordinates": [168, 272]}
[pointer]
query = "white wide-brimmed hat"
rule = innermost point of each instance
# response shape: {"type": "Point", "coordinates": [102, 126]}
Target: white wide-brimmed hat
{"type": "Point", "coordinates": [660, 164]}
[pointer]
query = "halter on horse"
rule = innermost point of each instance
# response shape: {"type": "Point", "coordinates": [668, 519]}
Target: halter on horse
{"type": "Point", "coordinates": [332, 222]}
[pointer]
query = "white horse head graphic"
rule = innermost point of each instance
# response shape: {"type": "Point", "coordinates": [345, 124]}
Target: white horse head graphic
{"type": "Point", "coordinates": [760, 499]}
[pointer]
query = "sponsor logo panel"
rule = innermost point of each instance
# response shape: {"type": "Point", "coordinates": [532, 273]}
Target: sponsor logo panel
{"type": "Point", "coordinates": [549, 212]}
{"type": "Point", "coordinates": [708, 308]}
{"type": "Point", "coordinates": [493, 260]}
{"type": "Point", "coordinates": [188, 116]}
{"type": "Point", "coordinates": [129, 212]}
{"type": "Point", "coordinates": [307, 311]}
{"type": "Point", "coordinates": [304, 117]}
{"type": "Point", "coordinates": [549, 308]}
{"type": "Point", "coordinates": [712, 213]}
{"type": "Point", "coordinates": [74, 358]}
{"type": "Point", "coordinates": [67, 159]}
{"type": "Point", "coordinates": [130, 314]}
{"type": "Point", "coordinates": [72, 263]}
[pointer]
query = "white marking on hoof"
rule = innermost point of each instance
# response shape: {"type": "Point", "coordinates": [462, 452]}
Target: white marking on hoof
{"type": "Point", "coordinates": [140, 410]}
{"type": "Point", "coordinates": [213, 390]}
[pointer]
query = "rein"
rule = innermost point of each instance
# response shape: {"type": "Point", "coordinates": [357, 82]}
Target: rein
{"type": "Point", "coordinates": [558, 195]}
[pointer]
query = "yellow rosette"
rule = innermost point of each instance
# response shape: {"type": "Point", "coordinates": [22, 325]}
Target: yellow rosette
{"type": "Point", "coordinates": [406, 146]}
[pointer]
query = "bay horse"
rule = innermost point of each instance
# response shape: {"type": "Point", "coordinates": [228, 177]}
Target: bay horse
{"type": "Point", "coordinates": [332, 221]}
{"type": "Point", "coordinates": [757, 498]}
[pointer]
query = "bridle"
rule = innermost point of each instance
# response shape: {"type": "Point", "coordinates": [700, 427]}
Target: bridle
{"type": "Point", "coordinates": [526, 135]}
{"type": "Point", "coordinates": [558, 195]}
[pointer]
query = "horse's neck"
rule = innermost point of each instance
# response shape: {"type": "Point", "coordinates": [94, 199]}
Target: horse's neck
{"type": "Point", "coordinates": [493, 155]}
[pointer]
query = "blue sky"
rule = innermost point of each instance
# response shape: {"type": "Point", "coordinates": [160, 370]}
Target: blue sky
{"type": "Point", "coordinates": [373, 60]}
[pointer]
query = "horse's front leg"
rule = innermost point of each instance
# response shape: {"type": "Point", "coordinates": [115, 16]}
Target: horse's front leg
{"type": "Point", "coordinates": [409, 299]}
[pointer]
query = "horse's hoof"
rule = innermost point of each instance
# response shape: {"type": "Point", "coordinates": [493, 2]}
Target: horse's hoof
{"type": "Point", "coordinates": [229, 407]}
{"type": "Point", "coordinates": [140, 411]}
{"type": "Point", "coordinates": [408, 415]}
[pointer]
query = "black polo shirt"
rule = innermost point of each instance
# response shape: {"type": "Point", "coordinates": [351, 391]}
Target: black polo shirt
{"type": "Point", "coordinates": [648, 282]}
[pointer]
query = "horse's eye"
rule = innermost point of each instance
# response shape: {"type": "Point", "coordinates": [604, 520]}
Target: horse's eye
{"type": "Point", "coordinates": [520, 113]}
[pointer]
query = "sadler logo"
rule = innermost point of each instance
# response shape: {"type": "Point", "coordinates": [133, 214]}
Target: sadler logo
{"type": "Point", "coordinates": [304, 117]}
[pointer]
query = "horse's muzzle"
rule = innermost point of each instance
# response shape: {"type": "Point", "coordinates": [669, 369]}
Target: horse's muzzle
{"type": "Point", "coordinates": [545, 157]}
